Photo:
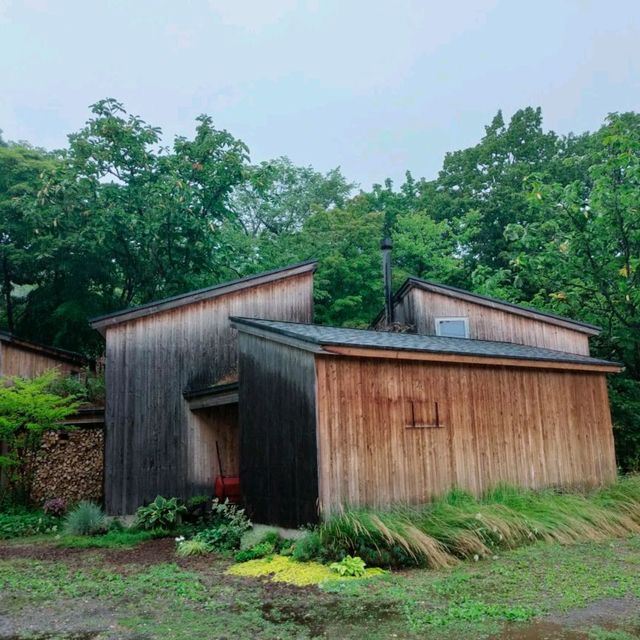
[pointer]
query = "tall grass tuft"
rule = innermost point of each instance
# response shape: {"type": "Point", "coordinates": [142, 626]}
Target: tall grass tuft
{"type": "Point", "coordinates": [459, 526]}
{"type": "Point", "coordinates": [86, 519]}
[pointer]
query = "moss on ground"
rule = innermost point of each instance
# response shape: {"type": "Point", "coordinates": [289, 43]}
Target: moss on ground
{"type": "Point", "coordinates": [285, 569]}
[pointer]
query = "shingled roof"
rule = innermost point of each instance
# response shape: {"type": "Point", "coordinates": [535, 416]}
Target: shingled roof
{"type": "Point", "coordinates": [317, 336]}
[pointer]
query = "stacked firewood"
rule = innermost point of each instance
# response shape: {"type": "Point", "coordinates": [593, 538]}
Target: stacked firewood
{"type": "Point", "coordinates": [69, 465]}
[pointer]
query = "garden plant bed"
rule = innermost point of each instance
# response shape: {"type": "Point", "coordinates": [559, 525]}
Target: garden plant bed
{"type": "Point", "coordinates": [573, 592]}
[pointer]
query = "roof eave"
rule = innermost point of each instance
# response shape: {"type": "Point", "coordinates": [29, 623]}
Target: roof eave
{"type": "Point", "coordinates": [101, 323]}
{"type": "Point", "coordinates": [70, 357]}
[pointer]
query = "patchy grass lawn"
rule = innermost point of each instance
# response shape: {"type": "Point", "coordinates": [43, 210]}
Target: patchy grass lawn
{"type": "Point", "coordinates": [588, 591]}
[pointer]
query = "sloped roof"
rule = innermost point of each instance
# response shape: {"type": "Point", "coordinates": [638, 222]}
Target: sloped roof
{"type": "Point", "coordinates": [52, 352]}
{"type": "Point", "coordinates": [494, 303]}
{"type": "Point", "coordinates": [102, 322]}
{"type": "Point", "coordinates": [319, 336]}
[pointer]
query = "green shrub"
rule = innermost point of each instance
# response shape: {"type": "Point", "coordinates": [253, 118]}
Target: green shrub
{"type": "Point", "coordinates": [198, 510]}
{"type": "Point", "coordinates": [87, 519]}
{"type": "Point", "coordinates": [260, 550]}
{"type": "Point", "coordinates": [115, 524]}
{"type": "Point", "coordinates": [27, 410]}
{"type": "Point", "coordinates": [19, 523]}
{"type": "Point", "coordinates": [229, 514]}
{"type": "Point", "coordinates": [308, 548]}
{"type": "Point", "coordinates": [349, 566]}
{"type": "Point", "coordinates": [162, 513]}
{"type": "Point", "coordinates": [221, 538]}
{"type": "Point", "coordinates": [193, 547]}
{"type": "Point", "coordinates": [227, 525]}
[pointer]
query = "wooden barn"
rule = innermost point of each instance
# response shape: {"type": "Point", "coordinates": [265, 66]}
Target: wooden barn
{"type": "Point", "coordinates": [332, 417]}
{"type": "Point", "coordinates": [171, 384]}
{"type": "Point", "coordinates": [28, 359]}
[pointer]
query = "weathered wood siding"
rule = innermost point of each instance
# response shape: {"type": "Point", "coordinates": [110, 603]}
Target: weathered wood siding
{"type": "Point", "coordinates": [420, 308]}
{"type": "Point", "coordinates": [528, 427]}
{"type": "Point", "coordinates": [278, 454]}
{"type": "Point", "coordinates": [154, 443]}
{"type": "Point", "coordinates": [16, 360]}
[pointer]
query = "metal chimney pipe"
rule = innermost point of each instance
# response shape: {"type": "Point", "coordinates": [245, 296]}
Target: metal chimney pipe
{"type": "Point", "coordinates": [386, 245]}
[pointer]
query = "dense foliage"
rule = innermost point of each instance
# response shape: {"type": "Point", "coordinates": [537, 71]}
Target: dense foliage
{"type": "Point", "coordinates": [17, 523]}
{"type": "Point", "coordinates": [527, 215]}
{"type": "Point", "coordinates": [28, 408]}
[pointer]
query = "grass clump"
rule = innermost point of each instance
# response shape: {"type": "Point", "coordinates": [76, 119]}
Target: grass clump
{"type": "Point", "coordinates": [459, 526]}
{"type": "Point", "coordinates": [86, 519]}
{"type": "Point", "coordinates": [115, 539]}
{"type": "Point", "coordinates": [186, 548]}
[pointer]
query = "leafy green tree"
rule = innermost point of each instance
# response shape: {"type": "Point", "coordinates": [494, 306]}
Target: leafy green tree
{"type": "Point", "coordinates": [27, 409]}
{"type": "Point", "coordinates": [581, 257]}
{"type": "Point", "coordinates": [277, 197]}
{"type": "Point", "coordinates": [20, 170]}
{"type": "Point", "coordinates": [488, 179]}
{"type": "Point", "coordinates": [121, 221]}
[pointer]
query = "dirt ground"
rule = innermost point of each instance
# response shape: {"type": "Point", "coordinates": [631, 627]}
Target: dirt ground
{"type": "Point", "coordinates": [146, 592]}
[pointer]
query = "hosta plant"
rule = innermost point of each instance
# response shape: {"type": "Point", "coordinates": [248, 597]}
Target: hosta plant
{"type": "Point", "coordinates": [162, 513]}
{"type": "Point", "coordinates": [349, 566]}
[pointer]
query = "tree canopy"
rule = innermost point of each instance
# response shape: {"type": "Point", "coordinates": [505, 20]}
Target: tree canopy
{"type": "Point", "coordinates": [119, 218]}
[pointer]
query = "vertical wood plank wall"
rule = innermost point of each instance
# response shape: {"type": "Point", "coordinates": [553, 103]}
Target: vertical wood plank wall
{"type": "Point", "coordinates": [420, 308]}
{"type": "Point", "coordinates": [154, 443]}
{"type": "Point", "coordinates": [528, 427]}
{"type": "Point", "coordinates": [18, 361]}
{"type": "Point", "coordinates": [278, 454]}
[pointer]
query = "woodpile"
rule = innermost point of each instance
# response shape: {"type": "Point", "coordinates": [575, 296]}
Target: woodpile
{"type": "Point", "coordinates": [70, 465]}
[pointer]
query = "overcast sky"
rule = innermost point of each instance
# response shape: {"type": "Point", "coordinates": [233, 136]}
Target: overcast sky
{"type": "Point", "coordinates": [375, 87]}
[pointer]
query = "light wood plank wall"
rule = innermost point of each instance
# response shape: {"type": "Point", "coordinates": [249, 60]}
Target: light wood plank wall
{"type": "Point", "coordinates": [18, 361]}
{"type": "Point", "coordinates": [420, 308]}
{"type": "Point", "coordinates": [527, 427]}
{"type": "Point", "coordinates": [155, 444]}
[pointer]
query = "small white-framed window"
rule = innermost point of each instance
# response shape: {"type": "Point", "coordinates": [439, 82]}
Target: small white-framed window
{"type": "Point", "coordinates": [452, 327]}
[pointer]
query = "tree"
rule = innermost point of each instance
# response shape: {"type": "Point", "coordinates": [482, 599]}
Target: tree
{"type": "Point", "coordinates": [488, 179]}
{"type": "Point", "coordinates": [27, 409]}
{"type": "Point", "coordinates": [20, 170]}
{"type": "Point", "coordinates": [580, 256]}
{"type": "Point", "coordinates": [277, 197]}
{"type": "Point", "coordinates": [121, 220]}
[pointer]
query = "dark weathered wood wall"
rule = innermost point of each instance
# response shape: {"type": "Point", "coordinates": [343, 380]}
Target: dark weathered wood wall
{"type": "Point", "coordinates": [278, 454]}
{"type": "Point", "coordinates": [420, 308]}
{"type": "Point", "coordinates": [154, 443]}
{"type": "Point", "coordinates": [26, 363]}
{"type": "Point", "coordinates": [531, 427]}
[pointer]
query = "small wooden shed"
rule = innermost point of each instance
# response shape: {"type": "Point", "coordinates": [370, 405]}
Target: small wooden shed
{"type": "Point", "coordinates": [171, 384]}
{"type": "Point", "coordinates": [28, 359]}
{"type": "Point", "coordinates": [333, 416]}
